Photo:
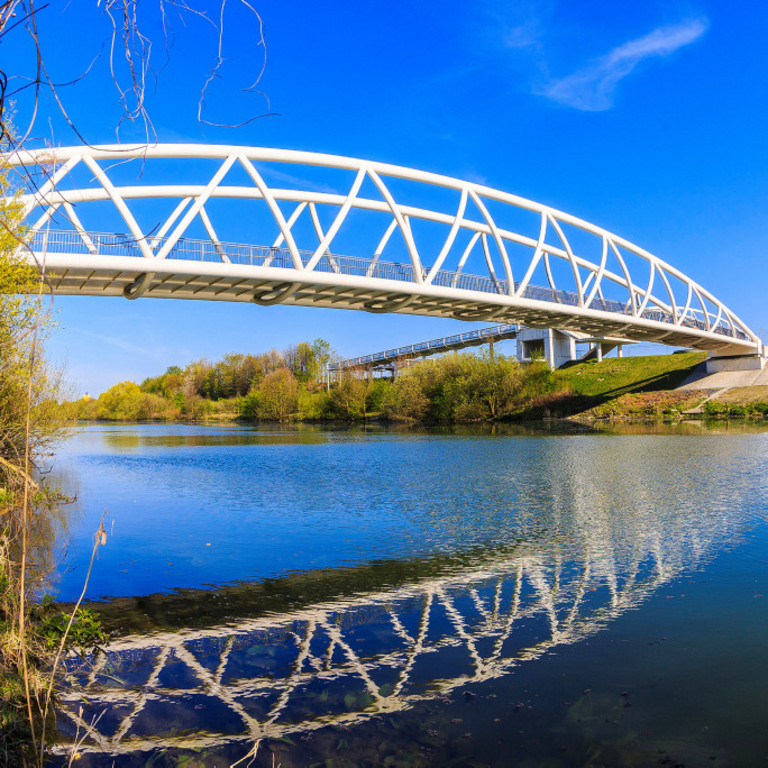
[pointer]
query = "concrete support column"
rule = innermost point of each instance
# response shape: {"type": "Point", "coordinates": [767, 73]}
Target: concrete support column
{"type": "Point", "coordinates": [550, 349]}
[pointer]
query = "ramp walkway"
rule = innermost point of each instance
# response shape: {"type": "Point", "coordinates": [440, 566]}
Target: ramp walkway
{"type": "Point", "coordinates": [723, 380]}
{"type": "Point", "coordinates": [425, 348]}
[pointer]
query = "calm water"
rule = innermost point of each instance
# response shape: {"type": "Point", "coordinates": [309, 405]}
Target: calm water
{"type": "Point", "coordinates": [349, 598]}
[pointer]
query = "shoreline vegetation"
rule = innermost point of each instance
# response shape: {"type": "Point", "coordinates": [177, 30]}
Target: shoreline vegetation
{"type": "Point", "coordinates": [455, 388]}
{"type": "Point", "coordinates": [34, 634]}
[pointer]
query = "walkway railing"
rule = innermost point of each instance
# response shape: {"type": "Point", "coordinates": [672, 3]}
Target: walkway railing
{"type": "Point", "coordinates": [187, 249]}
{"type": "Point", "coordinates": [444, 344]}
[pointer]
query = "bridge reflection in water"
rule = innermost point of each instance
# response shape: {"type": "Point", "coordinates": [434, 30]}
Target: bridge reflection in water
{"type": "Point", "coordinates": [342, 660]}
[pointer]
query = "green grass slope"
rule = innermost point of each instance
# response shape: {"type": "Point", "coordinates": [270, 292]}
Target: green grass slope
{"type": "Point", "coordinates": [618, 376]}
{"type": "Point", "coordinates": [621, 388]}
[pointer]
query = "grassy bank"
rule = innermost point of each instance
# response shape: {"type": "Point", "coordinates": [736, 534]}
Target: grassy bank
{"type": "Point", "coordinates": [645, 388]}
{"type": "Point", "coordinates": [738, 402]}
{"type": "Point", "coordinates": [631, 387]}
{"type": "Point", "coordinates": [615, 376]}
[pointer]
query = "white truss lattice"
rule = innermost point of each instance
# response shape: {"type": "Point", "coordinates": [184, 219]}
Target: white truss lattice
{"type": "Point", "coordinates": [538, 278]}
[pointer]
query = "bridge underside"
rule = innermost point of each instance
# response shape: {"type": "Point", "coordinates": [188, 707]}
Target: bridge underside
{"type": "Point", "coordinates": [75, 274]}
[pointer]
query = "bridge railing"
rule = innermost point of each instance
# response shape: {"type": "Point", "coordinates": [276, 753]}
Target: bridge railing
{"type": "Point", "coordinates": [434, 345]}
{"type": "Point", "coordinates": [188, 249]}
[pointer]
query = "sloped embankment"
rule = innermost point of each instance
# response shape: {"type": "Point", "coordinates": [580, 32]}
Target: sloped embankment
{"type": "Point", "coordinates": [632, 387]}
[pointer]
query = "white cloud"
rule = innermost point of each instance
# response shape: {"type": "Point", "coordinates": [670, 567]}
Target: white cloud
{"type": "Point", "coordinates": [120, 343]}
{"type": "Point", "coordinates": [523, 36]}
{"type": "Point", "coordinates": [592, 88]}
{"type": "Point", "coordinates": [295, 181]}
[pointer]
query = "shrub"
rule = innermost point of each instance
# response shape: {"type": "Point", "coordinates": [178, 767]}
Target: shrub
{"type": "Point", "coordinates": [405, 399]}
{"type": "Point", "coordinates": [123, 402]}
{"type": "Point", "coordinates": [313, 406]}
{"type": "Point", "coordinates": [714, 409]}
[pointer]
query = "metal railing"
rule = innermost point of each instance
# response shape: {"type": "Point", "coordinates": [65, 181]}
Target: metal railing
{"type": "Point", "coordinates": [434, 346]}
{"type": "Point", "coordinates": [187, 249]}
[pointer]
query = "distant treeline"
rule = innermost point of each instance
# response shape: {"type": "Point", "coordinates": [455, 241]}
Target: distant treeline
{"type": "Point", "coordinates": [288, 386]}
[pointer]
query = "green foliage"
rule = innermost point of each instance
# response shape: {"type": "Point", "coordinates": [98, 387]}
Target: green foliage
{"type": "Point", "coordinates": [452, 388]}
{"type": "Point", "coordinates": [231, 377]}
{"type": "Point", "coordinates": [464, 387]}
{"type": "Point", "coordinates": [467, 387]}
{"type": "Point", "coordinates": [377, 393]}
{"type": "Point", "coordinates": [85, 633]}
{"type": "Point", "coordinates": [126, 402]}
{"type": "Point", "coordinates": [406, 400]}
{"type": "Point", "coordinates": [31, 422]}
{"type": "Point", "coordinates": [313, 405]}
{"type": "Point", "coordinates": [121, 402]}
{"type": "Point", "coordinates": [278, 396]}
{"type": "Point", "coordinates": [348, 398]}
{"type": "Point", "coordinates": [191, 391]}
{"type": "Point", "coordinates": [306, 361]}
{"type": "Point", "coordinates": [27, 382]}
{"type": "Point", "coordinates": [238, 386]}
{"type": "Point", "coordinates": [755, 409]}
{"type": "Point", "coordinates": [645, 405]}
{"type": "Point", "coordinates": [168, 385]}
{"type": "Point", "coordinates": [249, 406]}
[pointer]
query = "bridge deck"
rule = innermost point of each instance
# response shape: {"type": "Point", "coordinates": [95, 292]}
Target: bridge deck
{"type": "Point", "coordinates": [108, 264]}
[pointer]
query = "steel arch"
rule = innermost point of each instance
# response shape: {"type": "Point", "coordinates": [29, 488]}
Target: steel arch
{"type": "Point", "coordinates": [625, 292]}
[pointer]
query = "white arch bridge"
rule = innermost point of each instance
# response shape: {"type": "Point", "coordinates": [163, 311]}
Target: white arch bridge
{"type": "Point", "coordinates": [182, 221]}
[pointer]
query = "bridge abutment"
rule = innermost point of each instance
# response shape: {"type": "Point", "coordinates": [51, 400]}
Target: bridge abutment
{"type": "Point", "coordinates": [736, 363]}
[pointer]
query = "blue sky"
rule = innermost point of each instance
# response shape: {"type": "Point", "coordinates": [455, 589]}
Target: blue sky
{"type": "Point", "coordinates": [646, 118]}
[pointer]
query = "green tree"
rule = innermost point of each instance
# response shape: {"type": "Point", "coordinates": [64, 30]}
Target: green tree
{"type": "Point", "coordinates": [278, 395]}
{"type": "Point", "coordinates": [349, 397]}
{"type": "Point", "coordinates": [467, 387]}
{"type": "Point", "coordinates": [196, 377]}
{"type": "Point", "coordinates": [123, 402]}
{"type": "Point", "coordinates": [492, 381]}
{"type": "Point", "coordinates": [300, 358]}
{"type": "Point", "coordinates": [405, 399]}
{"type": "Point", "coordinates": [306, 360]}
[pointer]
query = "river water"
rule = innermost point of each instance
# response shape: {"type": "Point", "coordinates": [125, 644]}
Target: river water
{"type": "Point", "coordinates": [313, 597]}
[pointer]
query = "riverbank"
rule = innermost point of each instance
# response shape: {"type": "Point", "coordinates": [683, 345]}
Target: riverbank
{"type": "Point", "coordinates": [453, 389]}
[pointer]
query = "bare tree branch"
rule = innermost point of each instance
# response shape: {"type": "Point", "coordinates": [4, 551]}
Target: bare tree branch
{"type": "Point", "coordinates": [129, 57]}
